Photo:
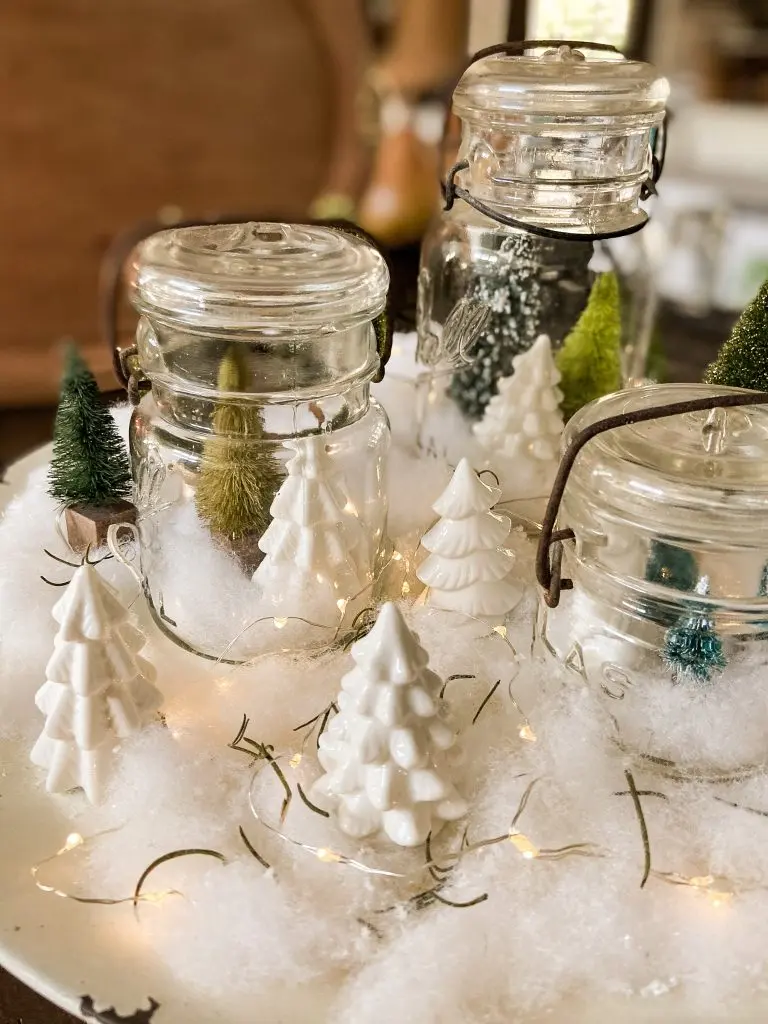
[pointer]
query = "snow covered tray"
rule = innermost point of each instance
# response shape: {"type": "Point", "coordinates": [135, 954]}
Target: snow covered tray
{"type": "Point", "coordinates": [546, 919]}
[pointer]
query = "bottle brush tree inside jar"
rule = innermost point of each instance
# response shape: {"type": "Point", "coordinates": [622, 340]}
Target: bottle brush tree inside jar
{"type": "Point", "coordinates": [89, 473]}
{"type": "Point", "coordinates": [590, 359]}
{"type": "Point", "coordinates": [239, 474]}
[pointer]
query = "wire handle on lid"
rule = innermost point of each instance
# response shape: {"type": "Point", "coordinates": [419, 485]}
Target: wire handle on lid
{"type": "Point", "coordinates": [548, 567]}
{"type": "Point", "coordinates": [451, 191]}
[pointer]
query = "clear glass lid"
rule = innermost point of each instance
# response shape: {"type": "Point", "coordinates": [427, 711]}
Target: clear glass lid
{"type": "Point", "coordinates": [702, 474]}
{"type": "Point", "coordinates": [564, 83]}
{"type": "Point", "coordinates": [276, 278]}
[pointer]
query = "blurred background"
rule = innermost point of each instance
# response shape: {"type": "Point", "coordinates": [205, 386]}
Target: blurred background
{"type": "Point", "coordinates": [123, 115]}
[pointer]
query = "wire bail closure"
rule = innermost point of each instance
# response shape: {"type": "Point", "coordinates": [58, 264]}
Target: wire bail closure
{"type": "Point", "coordinates": [451, 191]}
{"type": "Point", "coordinates": [548, 565]}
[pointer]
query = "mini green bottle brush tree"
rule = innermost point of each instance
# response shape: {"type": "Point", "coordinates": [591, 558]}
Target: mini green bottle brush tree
{"type": "Point", "coordinates": [742, 362]}
{"type": "Point", "coordinates": [90, 474]}
{"type": "Point", "coordinates": [239, 474]}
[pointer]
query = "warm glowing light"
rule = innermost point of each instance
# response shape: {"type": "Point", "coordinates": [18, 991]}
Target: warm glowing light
{"type": "Point", "coordinates": [341, 604]}
{"type": "Point", "coordinates": [406, 588]}
{"type": "Point", "coordinates": [319, 578]}
{"type": "Point", "coordinates": [350, 508]}
{"type": "Point", "coordinates": [523, 845]}
{"type": "Point", "coordinates": [295, 761]}
{"type": "Point", "coordinates": [73, 839]}
{"type": "Point", "coordinates": [397, 556]}
{"type": "Point", "coordinates": [501, 630]}
{"type": "Point", "coordinates": [280, 623]}
{"type": "Point", "coordinates": [328, 856]}
{"type": "Point", "coordinates": [527, 733]}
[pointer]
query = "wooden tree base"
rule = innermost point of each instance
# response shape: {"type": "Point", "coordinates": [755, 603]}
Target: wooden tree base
{"type": "Point", "coordinates": [87, 525]}
{"type": "Point", "coordinates": [246, 549]}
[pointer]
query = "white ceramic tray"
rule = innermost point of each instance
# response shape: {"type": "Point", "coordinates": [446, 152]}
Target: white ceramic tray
{"type": "Point", "coordinates": [65, 950]}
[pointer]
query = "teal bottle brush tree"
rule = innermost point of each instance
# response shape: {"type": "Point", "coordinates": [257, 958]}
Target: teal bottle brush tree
{"type": "Point", "coordinates": [90, 474]}
{"type": "Point", "coordinates": [692, 649]}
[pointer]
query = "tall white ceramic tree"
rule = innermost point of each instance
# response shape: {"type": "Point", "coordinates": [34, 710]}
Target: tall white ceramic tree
{"type": "Point", "coordinates": [522, 425]}
{"type": "Point", "coordinates": [468, 565]}
{"type": "Point", "coordinates": [315, 542]}
{"type": "Point", "coordinates": [98, 689]}
{"type": "Point", "coordinates": [385, 753]}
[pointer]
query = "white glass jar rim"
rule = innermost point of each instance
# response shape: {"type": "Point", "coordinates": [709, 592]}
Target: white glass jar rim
{"type": "Point", "coordinates": [562, 84]}
{"type": "Point", "coordinates": [278, 278]}
{"type": "Point", "coordinates": [696, 473]}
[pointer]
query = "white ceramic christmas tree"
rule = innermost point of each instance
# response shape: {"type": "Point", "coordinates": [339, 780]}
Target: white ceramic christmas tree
{"type": "Point", "coordinates": [97, 690]}
{"type": "Point", "coordinates": [468, 566]}
{"type": "Point", "coordinates": [385, 753]}
{"type": "Point", "coordinates": [522, 425]}
{"type": "Point", "coordinates": [314, 544]}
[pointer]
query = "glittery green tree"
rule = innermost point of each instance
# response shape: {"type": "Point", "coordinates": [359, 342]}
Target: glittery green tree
{"type": "Point", "coordinates": [239, 475]}
{"type": "Point", "coordinates": [533, 286]}
{"type": "Point", "coordinates": [692, 649]}
{"type": "Point", "coordinates": [590, 359]}
{"type": "Point", "coordinates": [742, 362]}
{"type": "Point", "coordinates": [89, 466]}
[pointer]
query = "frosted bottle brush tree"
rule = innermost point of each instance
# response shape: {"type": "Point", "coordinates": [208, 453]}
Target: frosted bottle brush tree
{"type": "Point", "coordinates": [89, 474]}
{"type": "Point", "coordinates": [693, 651]}
{"type": "Point", "coordinates": [386, 754]}
{"type": "Point", "coordinates": [532, 285]}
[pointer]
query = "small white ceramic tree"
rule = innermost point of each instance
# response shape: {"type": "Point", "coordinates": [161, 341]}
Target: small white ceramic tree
{"type": "Point", "coordinates": [522, 425]}
{"type": "Point", "coordinates": [385, 753]}
{"type": "Point", "coordinates": [97, 690]}
{"type": "Point", "coordinates": [468, 566]}
{"type": "Point", "coordinates": [314, 543]}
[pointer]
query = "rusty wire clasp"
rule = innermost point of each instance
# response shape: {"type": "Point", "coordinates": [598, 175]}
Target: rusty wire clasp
{"type": "Point", "coordinates": [548, 567]}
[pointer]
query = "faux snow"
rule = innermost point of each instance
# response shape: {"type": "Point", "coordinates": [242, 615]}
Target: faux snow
{"type": "Point", "coordinates": [552, 928]}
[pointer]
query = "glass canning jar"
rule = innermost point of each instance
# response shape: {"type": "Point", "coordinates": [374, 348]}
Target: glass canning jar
{"type": "Point", "coordinates": [555, 156]}
{"type": "Point", "coordinates": [258, 454]}
{"type": "Point", "coordinates": [667, 619]}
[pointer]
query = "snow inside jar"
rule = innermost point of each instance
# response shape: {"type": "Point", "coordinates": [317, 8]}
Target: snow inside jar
{"type": "Point", "coordinates": [667, 618]}
{"type": "Point", "coordinates": [555, 156]}
{"type": "Point", "coordinates": [259, 455]}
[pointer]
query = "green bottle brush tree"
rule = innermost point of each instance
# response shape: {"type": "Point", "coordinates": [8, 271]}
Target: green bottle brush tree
{"type": "Point", "coordinates": [742, 362]}
{"type": "Point", "coordinates": [90, 474]}
{"type": "Point", "coordinates": [239, 475]}
{"type": "Point", "coordinates": [590, 359]}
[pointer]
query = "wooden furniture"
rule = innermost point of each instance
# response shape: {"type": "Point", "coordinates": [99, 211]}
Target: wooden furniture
{"type": "Point", "coordinates": [116, 111]}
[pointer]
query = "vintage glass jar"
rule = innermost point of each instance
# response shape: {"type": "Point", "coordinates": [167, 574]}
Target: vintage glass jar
{"type": "Point", "coordinates": [259, 455]}
{"type": "Point", "coordinates": [555, 156]}
{"type": "Point", "coordinates": [667, 621]}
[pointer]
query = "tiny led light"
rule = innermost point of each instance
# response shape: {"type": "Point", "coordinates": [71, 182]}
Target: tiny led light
{"type": "Point", "coordinates": [406, 588]}
{"type": "Point", "coordinates": [350, 508]}
{"type": "Point", "coordinates": [280, 623]}
{"type": "Point", "coordinates": [341, 604]}
{"type": "Point", "coordinates": [295, 761]}
{"type": "Point", "coordinates": [397, 556]}
{"type": "Point", "coordinates": [523, 845]}
{"type": "Point", "coordinates": [501, 630]}
{"type": "Point", "coordinates": [527, 733]}
{"type": "Point", "coordinates": [328, 856]}
{"type": "Point", "coordinates": [73, 839]}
